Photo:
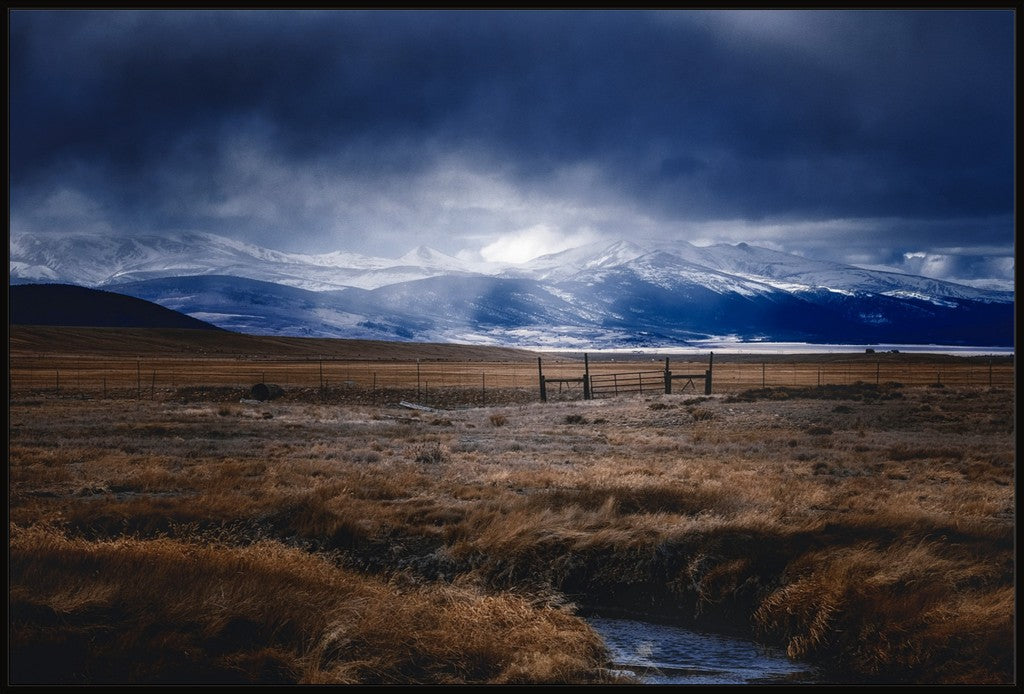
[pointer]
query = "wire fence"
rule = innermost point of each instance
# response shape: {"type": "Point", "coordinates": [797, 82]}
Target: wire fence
{"type": "Point", "coordinates": [473, 382]}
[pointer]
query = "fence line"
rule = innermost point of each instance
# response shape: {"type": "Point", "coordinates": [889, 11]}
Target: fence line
{"type": "Point", "coordinates": [127, 377]}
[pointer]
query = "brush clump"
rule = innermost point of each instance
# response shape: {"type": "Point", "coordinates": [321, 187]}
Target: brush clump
{"type": "Point", "coordinates": [266, 613]}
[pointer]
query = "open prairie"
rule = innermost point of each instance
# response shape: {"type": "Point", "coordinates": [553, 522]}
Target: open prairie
{"type": "Point", "coordinates": [181, 532]}
{"type": "Point", "coordinates": [138, 363]}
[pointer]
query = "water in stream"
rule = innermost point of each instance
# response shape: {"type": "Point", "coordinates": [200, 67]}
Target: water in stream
{"type": "Point", "coordinates": [663, 654]}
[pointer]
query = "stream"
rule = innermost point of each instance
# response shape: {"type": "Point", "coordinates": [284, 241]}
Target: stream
{"type": "Point", "coordinates": [665, 654]}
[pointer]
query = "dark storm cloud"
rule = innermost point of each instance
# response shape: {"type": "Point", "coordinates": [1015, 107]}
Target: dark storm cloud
{"type": "Point", "coordinates": [248, 122]}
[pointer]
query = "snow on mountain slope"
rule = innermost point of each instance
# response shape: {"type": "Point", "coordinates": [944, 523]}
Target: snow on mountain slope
{"type": "Point", "coordinates": [780, 270]}
{"type": "Point", "coordinates": [794, 273]}
{"type": "Point", "coordinates": [565, 263]}
{"type": "Point", "coordinates": [262, 308]}
{"type": "Point", "coordinates": [426, 257]}
{"type": "Point", "coordinates": [94, 260]}
{"type": "Point", "coordinates": [22, 273]}
{"type": "Point", "coordinates": [671, 273]}
{"type": "Point", "coordinates": [625, 291]}
{"type": "Point", "coordinates": [618, 306]}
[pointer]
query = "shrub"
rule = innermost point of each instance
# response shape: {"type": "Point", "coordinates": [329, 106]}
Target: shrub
{"type": "Point", "coordinates": [498, 420]}
{"type": "Point", "coordinates": [575, 419]}
{"type": "Point", "coordinates": [431, 455]}
{"type": "Point", "coordinates": [701, 414]}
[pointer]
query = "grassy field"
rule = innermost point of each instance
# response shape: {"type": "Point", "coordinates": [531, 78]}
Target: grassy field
{"type": "Point", "coordinates": [99, 362]}
{"type": "Point", "coordinates": [331, 536]}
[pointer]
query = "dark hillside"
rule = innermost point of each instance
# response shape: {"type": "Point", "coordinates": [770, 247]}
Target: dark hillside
{"type": "Point", "coordinates": [70, 305]}
{"type": "Point", "coordinates": [38, 340]}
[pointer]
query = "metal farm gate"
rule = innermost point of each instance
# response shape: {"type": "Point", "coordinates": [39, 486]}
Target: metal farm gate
{"type": "Point", "coordinates": [626, 382]}
{"type": "Point", "coordinates": [595, 385]}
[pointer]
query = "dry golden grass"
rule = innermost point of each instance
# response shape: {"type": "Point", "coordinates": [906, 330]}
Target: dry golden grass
{"type": "Point", "coordinates": [266, 613]}
{"type": "Point", "coordinates": [142, 363]}
{"type": "Point", "coordinates": [120, 343]}
{"type": "Point", "coordinates": [867, 527]}
{"type": "Point", "coordinates": [905, 609]}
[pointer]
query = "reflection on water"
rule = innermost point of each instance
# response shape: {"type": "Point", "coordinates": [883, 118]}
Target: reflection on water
{"type": "Point", "coordinates": [662, 654]}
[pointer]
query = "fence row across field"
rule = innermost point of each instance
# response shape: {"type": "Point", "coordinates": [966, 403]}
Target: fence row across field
{"type": "Point", "coordinates": [147, 377]}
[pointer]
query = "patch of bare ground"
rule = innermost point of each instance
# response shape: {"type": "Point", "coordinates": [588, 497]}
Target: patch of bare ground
{"type": "Point", "coordinates": [869, 529]}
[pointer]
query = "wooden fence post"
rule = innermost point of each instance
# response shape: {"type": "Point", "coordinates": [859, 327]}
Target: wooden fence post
{"type": "Point", "coordinates": [138, 380]}
{"type": "Point", "coordinates": [668, 379]}
{"type": "Point", "coordinates": [707, 375]}
{"type": "Point", "coordinates": [543, 385]}
{"type": "Point", "coordinates": [586, 377]}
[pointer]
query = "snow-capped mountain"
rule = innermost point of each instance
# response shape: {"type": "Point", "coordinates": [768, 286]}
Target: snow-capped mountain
{"type": "Point", "coordinates": [428, 258]}
{"type": "Point", "coordinates": [793, 273]}
{"type": "Point", "coordinates": [95, 260]}
{"type": "Point", "coordinates": [589, 257]}
{"type": "Point", "coordinates": [781, 270]}
{"type": "Point", "coordinates": [624, 293]}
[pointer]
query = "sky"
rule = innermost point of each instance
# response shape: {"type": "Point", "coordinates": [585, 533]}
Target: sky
{"type": "Point", "coordinates": [880, 138]}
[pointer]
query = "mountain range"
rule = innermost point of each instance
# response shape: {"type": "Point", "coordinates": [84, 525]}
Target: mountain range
{"type": "Point", "coordinates": [623, 294]}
